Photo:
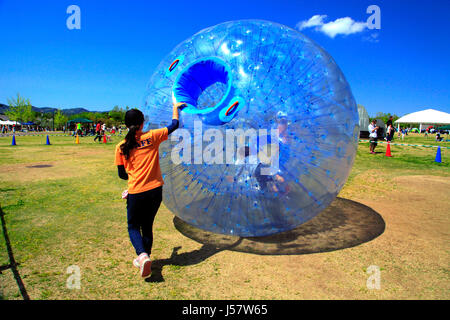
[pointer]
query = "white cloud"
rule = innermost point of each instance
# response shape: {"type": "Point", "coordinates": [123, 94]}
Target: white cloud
{"type": "Point", "coordinates": [343, 26]}
{"type": "Point", "coordinates": [316, 20]}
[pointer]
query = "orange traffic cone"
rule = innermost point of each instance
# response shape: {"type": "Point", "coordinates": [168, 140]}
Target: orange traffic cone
{"type": "Point", "coordinates": [104, 138]}
{"type": "Point", "coordinates": [77, 141]}
{"type": "Point", "coordinates": [388, 150]}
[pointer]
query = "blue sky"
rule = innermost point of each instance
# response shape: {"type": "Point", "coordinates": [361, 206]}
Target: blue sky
{"type": "Point", "coordinates": [401, 68]}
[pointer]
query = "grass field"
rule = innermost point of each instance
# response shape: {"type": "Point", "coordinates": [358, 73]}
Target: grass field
{"type": "Point", "coordinates": [62, 207]}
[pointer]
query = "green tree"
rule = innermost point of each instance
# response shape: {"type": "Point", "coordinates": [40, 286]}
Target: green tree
{"type": "Point", "coordinates": [20, 109]}
{"type": "Point", "coordinates": [94, 116]}
{"type": "Point", "coordinates": [60, 119]}
{"type": "Point", "coordinates": [109, 122]}
{"type": "Point", "coordinates": [117, 115]}
{"type": "Point", "coordinates": [384, 116]}
{"type": "Point", "coordinates": [48, 117]}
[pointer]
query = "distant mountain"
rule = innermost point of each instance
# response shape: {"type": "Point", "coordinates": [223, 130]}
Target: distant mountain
{"type": "Point", "coordinates": [68, 112]}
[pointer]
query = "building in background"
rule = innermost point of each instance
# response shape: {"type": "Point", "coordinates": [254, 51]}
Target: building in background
{"type": "Point", "coordinates": [363, 122]}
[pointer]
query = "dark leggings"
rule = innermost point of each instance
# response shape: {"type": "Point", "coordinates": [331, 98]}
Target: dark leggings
{"type": "Point", "coordinates": [98, 136]}
{"type": "Point", "coordinates": [141, 211]}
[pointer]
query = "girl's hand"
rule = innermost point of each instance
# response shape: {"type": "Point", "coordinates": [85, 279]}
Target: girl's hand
{"type": "Point", "coordinates": [180, 105]}
{"type": "Point", "coordinates": [176, 106]}
{"type": "Point", "coordinates": [125, 194]}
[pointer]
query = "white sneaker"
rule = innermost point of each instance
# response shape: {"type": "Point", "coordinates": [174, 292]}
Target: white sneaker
{"type": "Point", "coordinates": [146, 268]}
{"type": "Point", "coordinates": [144, 263]}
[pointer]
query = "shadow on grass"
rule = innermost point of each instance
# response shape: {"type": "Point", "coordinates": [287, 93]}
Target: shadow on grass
{"type": "Point", "coordinates": [344, 224]}
{"type": "Point", "coordinates": [186, 259]}
{"type": "Point", "coordinates": [12, 262]}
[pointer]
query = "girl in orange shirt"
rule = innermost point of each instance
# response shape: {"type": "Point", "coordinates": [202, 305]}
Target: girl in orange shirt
{"type": "Point", "coordinates": [137, 159]}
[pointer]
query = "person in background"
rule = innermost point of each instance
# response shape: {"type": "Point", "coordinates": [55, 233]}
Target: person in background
{"type": "Point", "coordinates": [103, 129]}
{"type": "Point", "coordinates": [98, 130]}
{"type": "Point", "coordinates": [390, 133]}
{"type": "Point", "coordinates": [79, 129]}
{"type": "Point", "coordinates": [373, 137]}
{"type": "Point", "coordinates": [389, 122]}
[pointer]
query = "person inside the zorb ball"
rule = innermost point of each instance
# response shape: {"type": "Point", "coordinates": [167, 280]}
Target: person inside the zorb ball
{"type": "Point", "coordinates": [137, 160]}
{"type": "Point", "coordinates": [274, 182]}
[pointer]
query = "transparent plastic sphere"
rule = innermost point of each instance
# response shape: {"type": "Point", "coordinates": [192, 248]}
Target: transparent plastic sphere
{"type": "Point", "coordinates": [261, 77]}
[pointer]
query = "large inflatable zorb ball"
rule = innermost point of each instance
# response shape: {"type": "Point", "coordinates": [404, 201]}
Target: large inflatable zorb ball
{"type": "Point", "coordinates": [269, 134]}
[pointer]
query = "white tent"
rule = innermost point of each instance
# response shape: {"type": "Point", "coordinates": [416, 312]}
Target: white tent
{"type": "Point", "coordinates": [9, 122]}
{"type": "Point", "coordinates": [425, 118]}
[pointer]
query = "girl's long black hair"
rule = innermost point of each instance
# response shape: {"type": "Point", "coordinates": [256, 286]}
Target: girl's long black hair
{"type": "Point", "coordinates": [133, 120]}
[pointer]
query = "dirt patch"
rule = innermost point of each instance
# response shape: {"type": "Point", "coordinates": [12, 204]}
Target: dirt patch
{"type": "Point", "coordinates": [24, 172]}
{"type": "Point", "coordinates": [41, 166]}
{"type": "Point", "coordinates": [421, 183]}
{"type": "Point", "coordinates": [89, 153]}
{"type": "Point", "coordinates": [414, 249]}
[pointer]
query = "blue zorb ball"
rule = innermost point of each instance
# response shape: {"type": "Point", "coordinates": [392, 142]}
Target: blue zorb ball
{"type": "Point", "coordinates": [269, 134]}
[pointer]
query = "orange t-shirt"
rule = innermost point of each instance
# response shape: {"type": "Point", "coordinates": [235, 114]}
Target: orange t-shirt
{"type": "Point", "coordinates": [142, 165]}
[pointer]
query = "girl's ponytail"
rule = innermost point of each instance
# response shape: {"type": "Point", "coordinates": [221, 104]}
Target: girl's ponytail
{"type": "Point", "coordinates": [133, 120]}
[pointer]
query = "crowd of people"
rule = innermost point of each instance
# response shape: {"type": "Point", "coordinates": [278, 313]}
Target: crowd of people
{"type": "Point", "coordinates": [402, 132]}
{"type": "Point", "coordinates": [98, 131]}
{"type": "Point", "coordinates": [375, 133]}
{"type": "Point", "coordinates": [8, 128]}
{"type": "Point", "coordinates": [4, 129]}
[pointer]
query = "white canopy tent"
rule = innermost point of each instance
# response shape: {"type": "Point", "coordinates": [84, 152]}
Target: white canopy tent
{"type": "Point", "coordinates": [425, 118]}
{"type": "Point", "coordinates": [9, 122]}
